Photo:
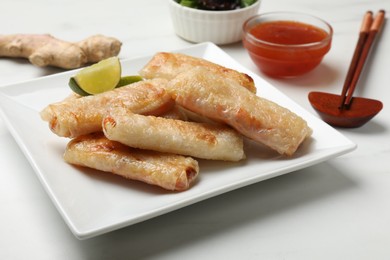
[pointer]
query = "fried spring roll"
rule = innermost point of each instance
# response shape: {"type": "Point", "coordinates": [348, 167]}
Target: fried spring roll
{"type": "Point", "coordinates": [169, 65]}
{"type": "Point", "coordinates": [78, 116]}
{"type": "Point", "coordinates": [169, 171]}
{"type": "Point", "coordinates": [205, 93]}
{"type": "Point", "coordinates": [174, 136]}
{"type": "Point", "coordinates": [176, 112]}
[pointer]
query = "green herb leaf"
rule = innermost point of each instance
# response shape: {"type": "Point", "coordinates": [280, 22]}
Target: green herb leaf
{"type": "Point", "coordinates": [245, 3]}
{"type": "Point", "coordinates": [189, 3]}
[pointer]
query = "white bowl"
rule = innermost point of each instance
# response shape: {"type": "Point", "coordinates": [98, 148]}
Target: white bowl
{"type": "Point", "coordinates": [219, 27]}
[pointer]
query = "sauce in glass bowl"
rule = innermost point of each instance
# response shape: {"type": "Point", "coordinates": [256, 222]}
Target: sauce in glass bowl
{"type": "Point", "coordinates": [286, 47]}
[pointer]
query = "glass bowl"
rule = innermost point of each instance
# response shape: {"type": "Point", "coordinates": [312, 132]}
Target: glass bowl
{"type": "Point", "coordinates": [286, 44]}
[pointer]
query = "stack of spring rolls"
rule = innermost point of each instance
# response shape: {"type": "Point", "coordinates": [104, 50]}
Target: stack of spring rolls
{"type": "Point", "coordinates": [185, 108]}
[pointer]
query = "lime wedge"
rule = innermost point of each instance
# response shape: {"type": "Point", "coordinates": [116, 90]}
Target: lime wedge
{"type": "Point", "coordinates": [126, 80]}
{"type": "Point", "coordinates": [99, 77]}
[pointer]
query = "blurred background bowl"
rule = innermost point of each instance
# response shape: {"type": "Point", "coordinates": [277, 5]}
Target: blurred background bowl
{"type": "Point", "coordinates": [219, 27]}
{"type": "Point", "coordinates": [286, 44]}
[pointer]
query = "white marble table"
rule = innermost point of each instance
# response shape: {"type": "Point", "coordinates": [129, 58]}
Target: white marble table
{"type": "Point", "coordinates": [338, 209]}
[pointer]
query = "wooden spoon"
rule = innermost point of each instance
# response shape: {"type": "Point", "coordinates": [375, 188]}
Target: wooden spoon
{"type": "Point", "coordinates": [344, 110]}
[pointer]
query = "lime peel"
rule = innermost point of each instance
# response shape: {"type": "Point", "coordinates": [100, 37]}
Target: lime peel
{"type": "Point", "coordinates": [127, 80]}
{"type": "Point", "coordinates": [76, 88]}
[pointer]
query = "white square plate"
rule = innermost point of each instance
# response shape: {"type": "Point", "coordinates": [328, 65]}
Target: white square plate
{"type": "Point", "coordinates": [93, 203]}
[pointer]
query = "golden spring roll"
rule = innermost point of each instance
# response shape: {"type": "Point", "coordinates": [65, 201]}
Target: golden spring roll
{"type": "Point", "coordinates": [78, 116]}
{"type": "Point", "coordinates": [210, 95]}
{"type": "Point", "coordinates": [176, 112]}
{"type": "Point", "coordinates": [169, 171]}
{"type": "Point", "coordinates": [174, 136]}
{"type": "Point", "coordinates": [169, 65]}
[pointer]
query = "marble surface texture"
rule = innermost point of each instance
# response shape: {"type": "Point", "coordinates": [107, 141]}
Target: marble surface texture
{"type": "Point", "coordinates": [338, 209]}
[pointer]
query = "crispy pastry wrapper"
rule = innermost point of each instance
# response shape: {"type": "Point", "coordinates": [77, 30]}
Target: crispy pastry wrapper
{"type": "Point", "coordinates": [222, 99]}
{"type": "Point", "coordinates": [169, 171]}
{"type": "Point", "coordinates": [201, 140]}
{"type": "Point", "coordinates": [169, 65]}
{"type": "Point", "coordinates": [77, 116]}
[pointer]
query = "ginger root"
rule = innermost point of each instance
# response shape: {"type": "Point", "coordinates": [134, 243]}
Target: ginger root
{"type": "Point", "coordinates": [46, 50]}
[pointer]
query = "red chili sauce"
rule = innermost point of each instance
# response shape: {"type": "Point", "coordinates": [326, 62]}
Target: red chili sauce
{"type": "Point", "coordinates": [276, 52]}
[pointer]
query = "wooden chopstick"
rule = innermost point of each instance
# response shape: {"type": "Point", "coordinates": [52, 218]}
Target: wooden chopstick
{"type": "Point", "coordinates": [368, 32]}
{"type": "Point", "coordinates": [364, 29]}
